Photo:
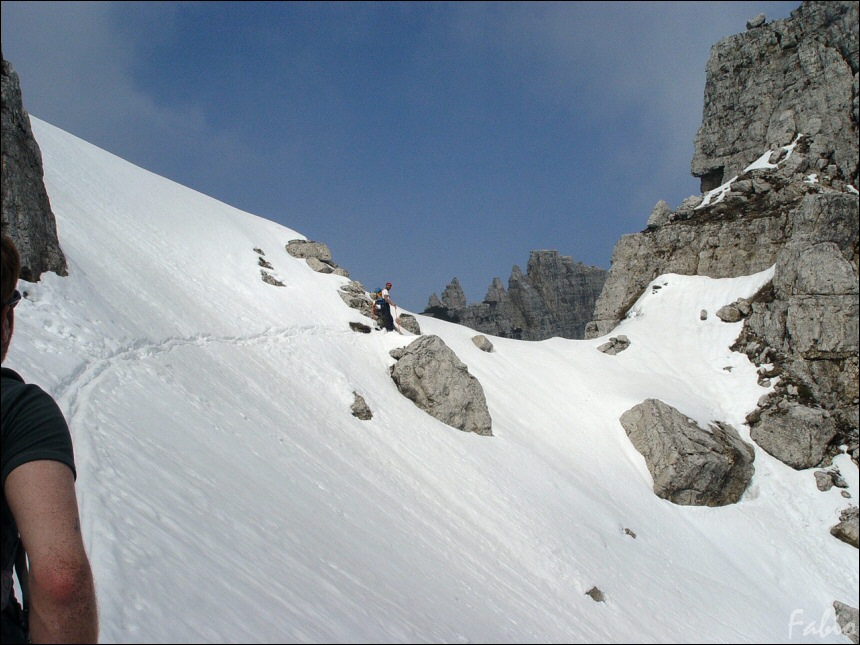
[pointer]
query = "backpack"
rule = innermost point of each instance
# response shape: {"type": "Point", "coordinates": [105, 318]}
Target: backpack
{"type": "Point", "coordinates": [376, 296]}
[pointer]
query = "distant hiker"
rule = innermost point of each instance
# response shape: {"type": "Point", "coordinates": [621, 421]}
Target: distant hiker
{"type": "Point", "coordinates": [385, 307]}
{"type": "Point", "coordinates": [40, 510]}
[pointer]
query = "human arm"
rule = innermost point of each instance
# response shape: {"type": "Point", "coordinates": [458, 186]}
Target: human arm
{"type": "Point", "coordinates": [41, 496]}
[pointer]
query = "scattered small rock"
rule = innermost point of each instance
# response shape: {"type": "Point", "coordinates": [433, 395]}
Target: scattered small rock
{"type": "Point", "coordinates": [596, 594]}
{"type": "Point", "coordinates": [756, 22]}
{"type": "Point", "coordinates": [409, 323]}
{"type": "Point", "coordinates": [317, 255]}
{"type": "Point", "coordinates": [827, 479]}
{"type": "Point", "coordinates": [360, 409]}
{"type": "Point", "coordinates": [660, 214]}
{"type": "Point", "coordinates": [847, 619]}
{"type": "Point", "coordinates": [847, 529]}
{"type": "Point", "coordinates": [729, 314]}
{"type": "Point", "coordinates": [270, 279]}
{"type": "Point", "coordinates": [823, 480]}
{"type": "Point", "coordinates": [615, 345]}
{"type": "Point", "coordinates": [360, 327]}
{"type": "Point", "coordinates": [482, 343]}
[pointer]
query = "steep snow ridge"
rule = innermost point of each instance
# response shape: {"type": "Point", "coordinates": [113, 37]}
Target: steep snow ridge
{"type": "Point", "coordinates": [228, 495]}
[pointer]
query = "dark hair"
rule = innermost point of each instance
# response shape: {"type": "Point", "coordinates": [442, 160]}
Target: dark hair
{"type": "Point", "coordinates": [11, 268]}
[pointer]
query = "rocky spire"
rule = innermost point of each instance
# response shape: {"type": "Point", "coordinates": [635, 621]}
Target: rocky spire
{"type": "Point", "coordinates": [555, 297]}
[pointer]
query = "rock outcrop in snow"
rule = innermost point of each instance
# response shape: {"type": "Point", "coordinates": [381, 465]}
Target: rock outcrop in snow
{"type": "Point", "coordinates": [430, 375]}
{"type": "Point", "coordinates": [690, 465]}
{"type": "Point", "coordinates": [778, 156]}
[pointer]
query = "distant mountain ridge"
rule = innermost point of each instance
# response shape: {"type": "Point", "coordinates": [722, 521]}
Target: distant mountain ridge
{"type": "Point", "coordinates": [555, 297]}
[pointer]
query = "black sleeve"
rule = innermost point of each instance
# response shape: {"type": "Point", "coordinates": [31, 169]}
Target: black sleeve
{"type": "Point", "coordinates": [33, 428]}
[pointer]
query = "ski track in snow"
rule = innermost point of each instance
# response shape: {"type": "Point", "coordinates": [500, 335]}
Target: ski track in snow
{"type": "Point", "coordinates": [70, 390]}
{"type": "Point", "coordinates": [228, 495]}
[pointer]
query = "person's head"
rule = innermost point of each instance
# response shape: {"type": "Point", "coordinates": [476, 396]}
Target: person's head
{"type": "Point", "coordinates": [10, 265]}
{"type": "Point", "coordinates": [387, 285]}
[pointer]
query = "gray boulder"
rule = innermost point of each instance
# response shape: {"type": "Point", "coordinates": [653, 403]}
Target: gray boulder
{"type": "Point", "coordinates": [309, 249]}
{"type": "Point", "coordinates": [735, 311]}
{"type": "Point", "coordinates": [409, 323]}
{"type": "Point", "coordinates": [690, 465]}
{"type": "Point", "coordinates": [848, 529]}
{"type": "Point", "coordinates": [847, 619]}
{"type": "Point", "coordinates": [319, 266]}
{"type": "Point", "coordinates": [360, 409]}
{"type": "Point", "coordinates": [758, 21]}
{"type": "Point", "coordinates": [482, 343]}
{"type": "Point", "coordinates": [615, 345]}
{"type": "Point", "coordinates": [795, 434]}
{"type": "Point", "coordinates": [659, 214]}
{"type": "Point", "coordinates": [317, 255]}
{"type": "Point", "coordinates": [430, 375]}
{"type": "Point", "coordinates": [354, 295]}
{"type": "Point", "coordinates": [729, 314]}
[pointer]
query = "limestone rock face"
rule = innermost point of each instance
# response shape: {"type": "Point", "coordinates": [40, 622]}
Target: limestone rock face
{"type": "Point", "coordinates": [555, 297]}
{"type": "Point", "coordinates": [806, 325]}
{"type": "Point", "coordinates": [430, 375]}
{"type": "Point", "coordinates": [690, 465]}
{"type": "Point", "coordinates": [796, 435]}
{"type": "Point", "coordinates": [26, 211]}
{"type": "Point", "coordinates": [778, 156]}
{"type": "Point", "coordinates": [766, 85]}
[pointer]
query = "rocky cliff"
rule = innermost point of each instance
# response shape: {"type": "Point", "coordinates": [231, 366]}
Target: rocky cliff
{"type": "Point", "coordinates": [779, 79]}
{"type": "Point", "coordinates": [778, 156]}
{"type": "Point", "coordinates": [554, 298]}
{"type": "Point", "coordinates": [26, 212]}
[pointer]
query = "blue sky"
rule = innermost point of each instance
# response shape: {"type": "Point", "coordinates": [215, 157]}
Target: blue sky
{"type": "Point", "coordinates": [420, 141]}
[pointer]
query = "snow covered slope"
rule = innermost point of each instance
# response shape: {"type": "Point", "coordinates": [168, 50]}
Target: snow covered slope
{"type": "Point", "coordinates": [228, 494]}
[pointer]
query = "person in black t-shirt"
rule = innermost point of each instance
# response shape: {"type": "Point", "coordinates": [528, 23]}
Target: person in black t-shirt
{"type": "Point", "coordinates": [40, 509]}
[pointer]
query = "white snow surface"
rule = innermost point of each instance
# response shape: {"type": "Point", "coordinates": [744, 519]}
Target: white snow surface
{"type": "Point", "coordinates": [228, 494]}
